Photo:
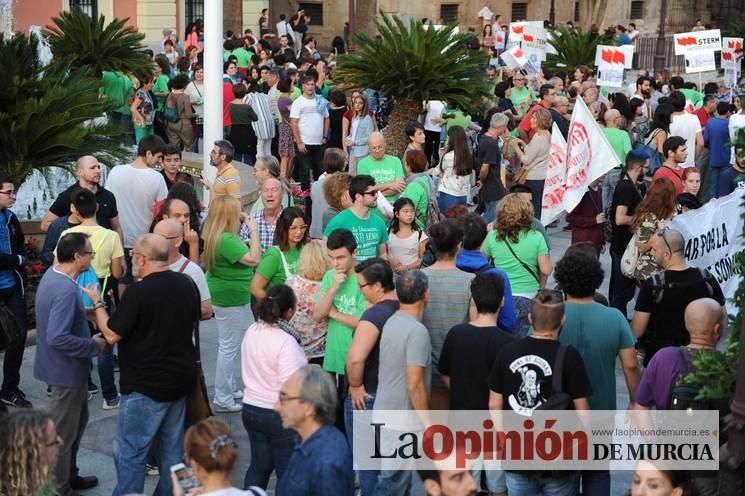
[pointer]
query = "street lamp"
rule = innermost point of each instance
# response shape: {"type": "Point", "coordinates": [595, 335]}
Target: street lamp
{"type": "Point", "coordinates": [659, 52]}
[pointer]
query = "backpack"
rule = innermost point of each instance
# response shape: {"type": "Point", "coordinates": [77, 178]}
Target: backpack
{"type": "Point", "coordinates": [170, 112]}
{"type": "Point", "coordinates": [655, 158]}
{"type": "Point", "coordinates": [683, 396]}
{"type": "Point", "coordinates": [432, 215]}
{"type": "Point", "coordinates": [659, 285]}
{"type": "Point", "coordinates": [558, 399]}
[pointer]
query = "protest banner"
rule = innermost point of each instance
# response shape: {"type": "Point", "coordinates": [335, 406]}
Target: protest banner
{"type": "Point", "coordinates": [731, 52]}
{"type": "Point", "coordinates": [515, 34]}
{"type": "Point", "coordinates": [713, 239]}
{"type": "Point", "coordinates": [534, 44]}
{"type": "Point", "coordinates": [515, 57]}
{"type": "Point", "coordinates": [610, 76]}
{"type": "Point", "coordinates": [589, 155]}
{"type": "Point", "coordinates": [700, 62]}
{"type": "Point", "coordinates": [614, 55]}
{"type": "Point", "coordinates": [697, 42]}
{"type": "Point", "coordinates": [556, 176]}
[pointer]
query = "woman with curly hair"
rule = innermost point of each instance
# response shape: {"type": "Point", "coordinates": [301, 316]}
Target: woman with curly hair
{"type": "Point", "coordinates": [29, 449]}
{"type": "Point", "coordinates": [336, 192]}
{"type": "Point", "coordinates": [521, 252]}
{"type": "Point", "coordinates": [658, 206]}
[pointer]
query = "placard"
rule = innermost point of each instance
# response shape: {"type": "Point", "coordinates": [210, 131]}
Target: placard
{"type": "Point", "coordinates": [517, 29]}
{"type": "Point", "coordinates": [698, 41]}
{"type": "Point", "coordinates": [534, 44]}
{"type": "Point", "coordinates": [731, 53]}
{"type": "Point", "coordinates": [610, 76]}
{"type": "Point", "coordinates": [700, 62]}
{"type": "Point", "coordinates": [731, 78]}
{"type": "Point", "coordinates": [616, 55]}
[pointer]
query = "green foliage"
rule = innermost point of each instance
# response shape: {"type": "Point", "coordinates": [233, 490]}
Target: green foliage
{"type": "Point", "coordinates": [573, 48]}
{"type": "Point", "coordinates": [46, 112]}
{"type": "Point", "coordinates": [88, 43]}
{"type": "Point", "coordinates": [413, 63]}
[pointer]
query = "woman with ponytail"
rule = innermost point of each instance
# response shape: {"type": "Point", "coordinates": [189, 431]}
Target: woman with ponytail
{"type": "Point", "coordinates": [270, 354]}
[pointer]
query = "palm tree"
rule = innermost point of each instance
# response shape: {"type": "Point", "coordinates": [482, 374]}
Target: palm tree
{"type": "Point", "coordinates": [573, 49]}
{"type": "Point", "coordinates": [412, 64]}
{"type": "Point", "coordinates": [47, 113]}
{"type": "Point", "coordinates": [89, 43]}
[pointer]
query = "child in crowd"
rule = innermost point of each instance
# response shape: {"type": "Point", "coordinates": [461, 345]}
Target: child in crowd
{"type": "Point", "coordinates": [406, 243]}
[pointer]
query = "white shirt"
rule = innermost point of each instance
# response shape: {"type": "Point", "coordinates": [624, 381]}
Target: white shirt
{"type": "Point", "coordinates": [310, 119]}
{"type": "Point", "coordinates": [136, 191]}
{"type": "Point", "coordinates": [434, 110]}
{"type": "Point", "coordinates": [736, 121]}
{"type": "Point", "coordinates": [196, 93]}
{"type": "Point", "coordinates": [451, 183]}
{"type": "Point", "coordinates": [687, 126]}
{"type": "Point", "coordinates": [197, 275]}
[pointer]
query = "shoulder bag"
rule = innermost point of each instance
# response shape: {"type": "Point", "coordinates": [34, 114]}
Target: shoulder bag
{"type": "Point", "coordinates": [630, 257]}
{"type": "Point", "coordinates": [525, 266]}
{"type": "Point", "coordinates": [558, 399]}
{"type": "Point", "coordinates": [197, 400]}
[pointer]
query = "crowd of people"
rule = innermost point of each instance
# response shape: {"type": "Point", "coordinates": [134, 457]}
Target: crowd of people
{"type": "Point", "coordinates": [397, 283]}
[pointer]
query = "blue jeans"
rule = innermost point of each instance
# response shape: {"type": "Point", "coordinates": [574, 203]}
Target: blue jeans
{"type": "Point", "coordinates": [609, 185]}
{"type": "Point", "coordinates": [490, 211]}
{"type": "Point", "coordinates": [367, 478]}
{"type": "Point", "coordinates": [521, 305]}
{"type": "Point", "coordinates": [445, 201]}
{"type": "Point", "coordinates": [530, 485]}
{"type": "Point", "coordinates": [620, 289]}
{"type": "Point", "coordinates": [271, 445]}
{"type": "Point", "coordinates": [141, 419]}
{"type": "Point", "coordinates": [713, 181]}
{"type": "Point", "coordinates": [536, 186]}
{"type": "Point", "coordinates": [245, 158]}
{"type": "Point", "coordinates": [596, 482]}
{"type": "Point", "coordinates": [106, 373]}
{"type": "Point", "coordinates": [394, 483]}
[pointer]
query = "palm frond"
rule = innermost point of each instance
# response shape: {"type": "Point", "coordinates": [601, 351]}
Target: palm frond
{"type": "Point", "coordinates": [573, 49]}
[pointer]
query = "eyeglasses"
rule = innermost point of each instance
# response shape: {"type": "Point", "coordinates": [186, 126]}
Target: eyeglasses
{"type": "Point", "coordinates": [379, 147]}
{"type": "Point", "coordinates": [661, 233]}
{"type": "Point", "coordinates": [365, 285]}
{"type": "Point", "coordinates": [372, 192]}
{"type": "Point", "coordinates": [283, 398]}
{"type": "Point", "coordinates": [57, 442]}
{"type": "Point", "coordinates": [10, 192]}
{"type": "Point", "coordinates": [91, 253]}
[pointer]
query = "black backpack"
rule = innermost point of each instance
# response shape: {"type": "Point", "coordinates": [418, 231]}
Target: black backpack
{"type": "Point", "coordinates": [659, 285]}
{"type": "Point", "coordinates": [683, 396]}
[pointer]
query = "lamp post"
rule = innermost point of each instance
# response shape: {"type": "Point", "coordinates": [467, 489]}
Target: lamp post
{"type": "Point", "coordinates": [552, 15]}
{"type": "Point", "coordinates": [659, 51]}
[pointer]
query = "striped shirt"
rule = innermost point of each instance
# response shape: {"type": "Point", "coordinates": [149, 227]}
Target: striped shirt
{"type": "Point", "coordinates": [227, 182]}
{"type": "Point", "coordinates": [264, 127]}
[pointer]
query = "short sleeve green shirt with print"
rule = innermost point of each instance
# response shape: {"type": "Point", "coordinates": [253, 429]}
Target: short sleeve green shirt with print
{"type": "Point", "coordinates": [229, 280]}
{"type": "Point", "coordinates": [161, 86]}
{"type": "Point", "coordinates": [348, 300]}
{"type": "Point", "coordinates": [370, 233]}
{"type": "Point", "coordinates": [383, 171]}
{"type": "Point", "coordinates": [271, 268]}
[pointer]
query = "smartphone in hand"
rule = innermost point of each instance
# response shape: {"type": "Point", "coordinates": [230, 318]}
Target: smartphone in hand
{"type": "Point", "coordinates": [187, 479]}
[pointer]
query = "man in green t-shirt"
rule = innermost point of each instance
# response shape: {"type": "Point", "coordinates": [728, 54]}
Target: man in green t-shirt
{"type": "Point", "coordinates": [620, 141]}
{"type": "Point", "coordinates": [368, 230]}
{"type": "Point", "coordinates": [385, 169]}
{"type": "Point", "coordinates": [340, 299]}
{"type": "Point", "coordinates": [119, 89]}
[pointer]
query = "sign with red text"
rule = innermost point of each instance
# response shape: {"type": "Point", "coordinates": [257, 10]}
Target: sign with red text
{"type": "Point", "coordinates": [515, 57]}
{"type": "Point", "coordinates": [556, 175]}
{"type": "Point", "coordinates": [515, 34]}
{"type": "Point", "coordinates": [698, 41]}
{"type": "Point", "coordinates": [732, 53]}
{"type": "Point", "coordinates": [534, 44]}
{"type": "Point", "coordinates": [617, 56]}
{"type": "Point", "coordinates": [589, 155]}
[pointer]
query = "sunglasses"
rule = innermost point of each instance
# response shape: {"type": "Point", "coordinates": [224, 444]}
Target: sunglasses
{"type": "Point", "coordinates": [661, 233]}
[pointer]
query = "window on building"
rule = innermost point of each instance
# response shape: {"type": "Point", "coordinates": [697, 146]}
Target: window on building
{"type": "Point", "coordinates": [449, 12]}
{"type": "Point", "coordinates": [193, 11]}
{"type": "Point", "coordinates": [576, 11]}
{"type": "Point", "coordinates": [314, 11]}
{"type": "Point", "coordinates": [637, 9]}
{"type": "Point", "coordinates": [90, 7]}
{"type": "Point", "coordinates": [519, 11]}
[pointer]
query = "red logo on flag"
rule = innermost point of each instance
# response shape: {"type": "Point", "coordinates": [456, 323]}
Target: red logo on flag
{"type": "Point", "coordinates": [734, 45]}
{"type": "Point", "coordinates": [518, 53]}
{"type": "Point", "coordinates": [530, 38]}
{"type": "Point", "coordinates": [613, 56]}
{"type": "Point", "coordinates": [727, 55]}
{"type": "Point", "coordinates": [686, 40]}
{"type": "Point", "coordinates": [518, 29]}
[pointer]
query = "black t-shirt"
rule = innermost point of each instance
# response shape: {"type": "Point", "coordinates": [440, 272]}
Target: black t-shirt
{"type": "Point", "coordinates": [377, 315]}
{"type": "Point", "coordinates": [488, 153]}
{"type": "Point", "coordinates": [155, 319]}
{"type": "Point", "coordinates": [524, 372]}
{"type": "Point", "coordinates": [105, 199]}
{"type": "Point", "coordinates": [181, 177]}
{"type": "Point", "coordinates": [467, 357]}
{"type": "Point", "coordinates": [335, 127]}
{"type": "Point", "coordinates": [625, 194]}
{"type": "Point", "coordinates": [666, 323]}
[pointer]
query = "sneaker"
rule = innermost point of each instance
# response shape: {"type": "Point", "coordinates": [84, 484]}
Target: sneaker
{"type": "Point", "coordinates": [151, 470]}
{"type": "Point", "coordinates": [15, 398]}
{"type": "Point", "coordinates": [111, 404]}
{"type": "Point", "coordinates": [235, 407]}
{"type": "Point", "coordinates": [92, 388]}
{"type": "Point", "coordinates": [238, 395]}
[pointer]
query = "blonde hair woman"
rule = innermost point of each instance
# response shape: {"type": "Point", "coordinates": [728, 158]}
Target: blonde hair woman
{"type": "Point", "coordinates": [533, 156]}
{"type": "Point", "coordinates": [29, 449]}
{"type": "Point", "coordinates": [229, 264]}
{"type": "Point", "coordinates": [311, 267]}
{"type": "Point", "coordinates": [521, 252]}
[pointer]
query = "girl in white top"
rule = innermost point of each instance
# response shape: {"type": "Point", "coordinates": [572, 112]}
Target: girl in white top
{"type": "Point", "coordinates": [406, 243]}
{"type": "Point", "coordinates": [455, 170]}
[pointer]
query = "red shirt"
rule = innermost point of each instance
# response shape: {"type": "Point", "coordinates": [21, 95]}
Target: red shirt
{"type": "Point", "coordinates": [227, 97]}
{"type": "Point", "coordinates": [525, 123]}
{"type": "Point", "coordinates": [702, 115]}
{"type": "Point", "coordinates": [676, 176]}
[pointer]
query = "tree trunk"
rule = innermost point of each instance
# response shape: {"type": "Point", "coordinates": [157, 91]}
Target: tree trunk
{"type": "Point", "coordinates": [592, 12]}
{"type": "Point", "coordinates": [365, 13]}
{"type": "Point", "coordinates": [404, 113]}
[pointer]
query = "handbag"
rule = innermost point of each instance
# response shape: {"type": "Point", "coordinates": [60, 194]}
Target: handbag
{"type": "Point", "coordinates": [197, 400]}
{"type": "Point", "coordinates": [521, 175]}
{"type": "Point", "coordinates": [12, 332]}
{"type": "Point", "coordinates": [630, 257]}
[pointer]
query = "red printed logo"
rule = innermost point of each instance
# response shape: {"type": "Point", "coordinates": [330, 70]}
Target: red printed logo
{"type": "Point", "coordinates": [579, 155]}
{"type": "Point", "coordinates": [727, 56]}
{"type": "Point", "coordinates": [613, 56]}
{"type": "Point", "coordinates": [734, 45]}
{"type": "Point", "coordinates": [518, 29]}
{"type": "Point", "coordinates": [529, 38]}
{"type": "Point", "coordinates": [518, 53]}
{"type": "Point", "coordinates": [686, 40]}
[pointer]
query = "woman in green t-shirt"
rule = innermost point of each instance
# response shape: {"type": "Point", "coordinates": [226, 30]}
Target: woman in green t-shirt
{"type": "Point", "coordinates": [280, 260]}
{"type": "Point", "coordinates": [229, 271]}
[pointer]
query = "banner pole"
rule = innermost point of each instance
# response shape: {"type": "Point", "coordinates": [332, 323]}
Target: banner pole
{"type": "Point", "coordinates": [699, 82]}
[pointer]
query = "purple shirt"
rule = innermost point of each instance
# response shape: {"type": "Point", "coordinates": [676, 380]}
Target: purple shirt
{"type": "Point", "coordinates": [660, 376]}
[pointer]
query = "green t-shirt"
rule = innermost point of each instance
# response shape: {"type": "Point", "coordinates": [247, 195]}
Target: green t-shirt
{"type": "Point", "coordinates": [229, 280]}
{"type": "Point", "coordinates": [161, 86]}
{"type": "Point", "coordinates": [295, 93]}
{"type": "Point", "coordinates": [243, 56]}
{"type": "Point", "coordinates": [119, 89]}
{"type": "Point", "coordinates": [383, 171]}
{"type": "Point", "coordinates": [418, 192]}
{"type": "Point", "coordinates": [370, 233]}
{"type": "Point", "coordinates": [519, 96]}
{"type": "Point", "coordinates": [348, 300]}
{"type": "Point", "coordinates": [598, 332]}
{"type": "Point", "coordinates": [271, 267]}
{"type": "Point", "coordinates": [457, 118]}
{"type": "Point", "coordinates": [529, 246]}
{"type": "Point", "coordinates": [620, 142]}
{"type": "Point", "coordinates": [696, 98]}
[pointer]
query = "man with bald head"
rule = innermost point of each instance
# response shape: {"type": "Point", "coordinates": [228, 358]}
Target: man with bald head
{"type": "Point", "coordinates": [173, 231]}
{"type": "Point", "coordinates": [153, 326]}
{"type": "Point", "coordinates": [663, 298]}
{"type": "Point", "coordinates": [89, 177]}
{"type": "Point", "coordinates": [179, 211]}
{"type": "Point", "coordinates": [272, 194]}
{"type": "Point", "coordinates": [705, 322]}
{"type": "Point", "coordinates": [385, 169]}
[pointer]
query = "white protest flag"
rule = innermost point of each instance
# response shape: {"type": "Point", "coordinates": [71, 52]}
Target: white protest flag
{"type": "Point", "coordinates": [556, 175]}
{"type": "Point", "coordinates": [589, 155]}
{"type": "Point", "coordinates": [515, 57]}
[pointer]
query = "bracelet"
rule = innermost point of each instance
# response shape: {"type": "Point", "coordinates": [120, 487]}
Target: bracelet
{"type": "Point", "coordinates": [98, 305]}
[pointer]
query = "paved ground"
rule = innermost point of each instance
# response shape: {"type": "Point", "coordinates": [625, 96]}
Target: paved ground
{"type": "Point", "coordinates": [95, 453]}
